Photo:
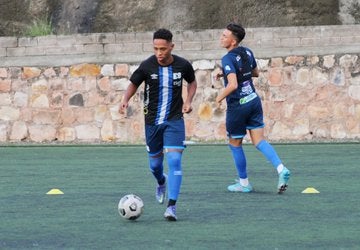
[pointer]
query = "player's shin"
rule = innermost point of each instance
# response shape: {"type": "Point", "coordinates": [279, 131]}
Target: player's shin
{"type": "Point", "coordinates": [269, 152]}
{"type": "Point", "coordinates": [156, 168]}
{"type": "Point", "coordinates": [239, 160]}
{"type": "Point", "coordinates": [175, 174]}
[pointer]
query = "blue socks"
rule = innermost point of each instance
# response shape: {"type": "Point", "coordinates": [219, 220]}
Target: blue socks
{"type": "Point", "coordinates": [175, 174]}
{"type": "Point", "coordinates": [269, 152]}
{"type": "Point", "coordinates": [239, 160]}
{"type": "Point", "coordinates": [157, 168]}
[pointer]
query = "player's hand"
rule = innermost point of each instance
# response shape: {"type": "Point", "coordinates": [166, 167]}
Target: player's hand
{"type": "Point", "coordinates": [218, 76]}
{"type": "Point", "coordinates": [218, 103]}
{"type": "Point", "coordinates": [186, 108]}
{"type": "Point", "coordinates": [122, 108]}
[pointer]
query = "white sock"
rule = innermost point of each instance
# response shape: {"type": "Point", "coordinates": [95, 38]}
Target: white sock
{"type": "Point", "coordinates": [280, 168]}
{"type": "Point", "coordinates": [244, 182]}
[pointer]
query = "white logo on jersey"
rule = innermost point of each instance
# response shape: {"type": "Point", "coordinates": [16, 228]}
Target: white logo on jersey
{"type": "Point", "coordinates": [154, 76]}
{"type": "Point", "coordinates": [227, 68]}
{"type": "Point", "coordinates": [177, 75]}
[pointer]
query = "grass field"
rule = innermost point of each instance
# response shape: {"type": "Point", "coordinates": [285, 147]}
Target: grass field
{"type": "Point", "coordinates": [94, 178]}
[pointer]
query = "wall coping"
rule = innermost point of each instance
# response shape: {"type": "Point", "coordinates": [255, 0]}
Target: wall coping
{"type": "Point", "coordinates": [103, 48]}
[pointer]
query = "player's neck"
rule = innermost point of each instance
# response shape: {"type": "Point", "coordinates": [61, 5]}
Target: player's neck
{"type": "Point", "coordinates": [232, 46]}
{"type": "Point", "coordinates": [166, 62]}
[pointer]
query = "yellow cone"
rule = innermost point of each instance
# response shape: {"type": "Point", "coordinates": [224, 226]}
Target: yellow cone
{"type": "Point", "coordinates": [310, 190]}
{"type": "Point", "coordinates": [55, 191]}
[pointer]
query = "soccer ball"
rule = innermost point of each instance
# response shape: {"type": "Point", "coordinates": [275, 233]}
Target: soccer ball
{"type": "Point", "coordinates": [130, 207]}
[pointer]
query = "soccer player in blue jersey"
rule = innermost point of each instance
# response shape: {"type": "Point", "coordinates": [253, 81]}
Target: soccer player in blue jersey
{"type": "Point", "coordinates": [244, 109]}
{"type": "Point", "coordinates": [163, 74]}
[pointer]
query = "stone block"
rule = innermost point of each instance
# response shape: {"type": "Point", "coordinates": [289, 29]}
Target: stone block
{"type": "Point", "coordinates": [5, 85]}
{"type": "Point", "coordinates": [203, 64]}
{"type": "Point", "coordinates": [125, 37]}
{"type": "Point", "coordinates": [205, 111]}
{"type": "Point", "coordinates": [40, 86]}
{"type": "Point", "coordinates": [3, 133]}
{"type": "Point", "coordinates": [143, 36]}
{"type": "Point", "coordinates": [191, 46]}
{"type": "Point", "coordinates": [19, 131]}
{"type": "Point", "coordinates": [2, 52]}
{"type": "Point", "coordinates": [47, 40]}
{"type": "Point", "coordinates": [3, 73]}
{"type": "Point", "coordinates": [93, 49]}
{"type": "Point", "coordinates": [87, 132]}
{"type": "Point", "coordinates": [30, 72]}
{"type": "Point", "coordinates": [66, 134]}
{"type": "Point", "coordinates": [50, 117]}
{"type": "Point", "coordinates": [85, 69]}
{"type": "Point", "coordinates": [39, 101]}
{"type": "Point", "coordinates": [35, 51]}
{"type": "Point", "coordinates": [18, 51]}
{"type": "Point", "coordinates": [27, 42]}
{"type": "Point", "coordinates": [5, 99]}
{"type": "Point", "coordinates": [64, 50]}
{"type": "Point", "coordinates": [122, 70]}
{"type": "Point", "coordinates": [8, 113]}
{"type": "Point", "coordinates": [275, 77]}
{"type": "Point", "coordinates": [107, 131]}
{"type": "Point", "coordinates": [108, 70]}
{"type": "Point", "coordinates": [354, 92]}
{"type": "Point", "coordinates": [290, 42]}
{"type": "Point", "coordinates": [42, 133]}
{"type": "Point", "coordinates": [210, 45]}
{"type": "Point", "coordinates": [303, 77]}
{"type": "Point", "coordinates": [8, 42]}
{"type": "Point", "coordinates": [276, 62]}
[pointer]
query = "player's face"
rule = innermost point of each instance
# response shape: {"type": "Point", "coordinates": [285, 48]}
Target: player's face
{"type": "Point", "coordinates": [227, 39]}
{"type": "Point", "coordinates": [162, 51]}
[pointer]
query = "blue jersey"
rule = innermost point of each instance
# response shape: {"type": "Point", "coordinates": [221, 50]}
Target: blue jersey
{"type": "Point", "coordinates": [163, 88]}
{"type": "Point", "coordinates": [241, 62]}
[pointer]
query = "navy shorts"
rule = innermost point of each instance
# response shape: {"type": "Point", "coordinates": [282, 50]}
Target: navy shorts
{"type": "Point", "coordinates": [240, 117]}
{"type": "Point", "coordinates": [170, 134]}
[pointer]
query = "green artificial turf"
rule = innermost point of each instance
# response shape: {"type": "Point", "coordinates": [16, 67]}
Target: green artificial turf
{"type": "Point", "coordinates": [94, 178]}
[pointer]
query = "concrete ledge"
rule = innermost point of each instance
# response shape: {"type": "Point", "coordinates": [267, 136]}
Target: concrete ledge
{"type": "Point", "coordinates": [194, 45]}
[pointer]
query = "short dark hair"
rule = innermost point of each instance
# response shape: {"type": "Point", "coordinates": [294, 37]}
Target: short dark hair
{"type": "Point", "coordinates": [237, 30]}
{"type": "Point", "coordinates": [163, 34]}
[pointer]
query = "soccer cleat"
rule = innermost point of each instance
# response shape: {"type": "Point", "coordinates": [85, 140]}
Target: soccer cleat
{"type": "Point", "coordinates": [161, 191]}
{"type": "Point", "coordinates": [237, 187]}
{"type": "Point", "coordinates": [170, 213]}
{"type": "Point", "coordinates": [284, 177]}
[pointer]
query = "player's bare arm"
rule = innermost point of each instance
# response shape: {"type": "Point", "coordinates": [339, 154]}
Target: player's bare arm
{"type": "Point", "coordinates": [231, 87]}
{"type": "Point", "coordinates": [255, 72]}
{"type": "Point", "coordinates": [130, 91]}
{"type": "Point", "coordinates": [191, 90]}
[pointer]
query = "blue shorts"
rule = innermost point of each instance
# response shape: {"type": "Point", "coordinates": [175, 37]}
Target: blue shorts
{"type": "Point", "coordinates": [240, 117]}
{"type": "Point", "coordinates": [170, 134]}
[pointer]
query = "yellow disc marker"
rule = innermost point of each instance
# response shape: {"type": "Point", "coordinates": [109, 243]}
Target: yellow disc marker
{"type": "Point", "coordinates": [55, 191]}
{"type": "Point", "coordinates": [310, 190]}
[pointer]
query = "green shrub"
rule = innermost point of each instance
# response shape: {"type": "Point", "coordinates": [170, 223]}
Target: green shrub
{"type": "Point", "coordinates": [39, 27]}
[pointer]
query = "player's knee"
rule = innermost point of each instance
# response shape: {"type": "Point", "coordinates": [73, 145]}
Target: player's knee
{"type": "Point", "coordinates": [155, 162]}
{"type": "Point", "coordinates": [174, 159]}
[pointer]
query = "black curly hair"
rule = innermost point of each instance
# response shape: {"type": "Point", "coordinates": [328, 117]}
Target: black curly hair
{"type": "Point", "coordinates": [237, 30]}
{"type": "Point", "coordinates": [163, 34]}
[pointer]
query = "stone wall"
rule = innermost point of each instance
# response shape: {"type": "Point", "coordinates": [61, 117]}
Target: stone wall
{"type": "Point", "coordinates": [67, 88]}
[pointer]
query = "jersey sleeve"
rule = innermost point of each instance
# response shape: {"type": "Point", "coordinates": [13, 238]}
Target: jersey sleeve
{"type": "Point", "coordinates": [253, 61]}
{"type": "Point", "coordinates": [189, 75]}
{"type": "Point", "coordinates": [138, 76]}
{"type": "Point", "coordinates": [228, 65]}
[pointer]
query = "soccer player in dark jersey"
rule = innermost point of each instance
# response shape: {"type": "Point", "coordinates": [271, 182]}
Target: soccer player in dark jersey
{"type": "Point", "coordinates": [163, 74]}
{"type": "Point", "coordinates": [244, 109]}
